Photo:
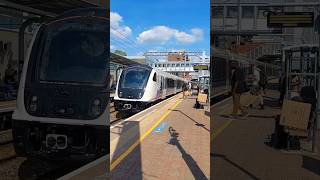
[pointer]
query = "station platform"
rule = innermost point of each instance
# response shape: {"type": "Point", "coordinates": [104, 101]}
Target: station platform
{"type": "Point", "coordinates": [97, 169]}
{"type": "Point", "coordinates": [7, 106]}
{"type": "Point", "coordinates": [239, 149]}
{"type": "Point", "coordinates": [167, 141]}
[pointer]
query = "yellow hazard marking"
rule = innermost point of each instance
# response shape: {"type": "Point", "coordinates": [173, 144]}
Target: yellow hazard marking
{"type": "Point", "coordinates": [133, 146]}
{"type": "Point", "coordinates": [214, 134]}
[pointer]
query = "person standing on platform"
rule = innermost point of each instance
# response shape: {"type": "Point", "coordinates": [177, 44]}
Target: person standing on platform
{"type": "Point", "coordinates": [256, 85]}
{"type": "Point", "coordinates": [184, 89]}
{"type": "Point", "coordinates": [282, 87]}
{"type": "Point", "coordinates": [263, 82]}
{"type": "Point", "coordinates": [237, 88]}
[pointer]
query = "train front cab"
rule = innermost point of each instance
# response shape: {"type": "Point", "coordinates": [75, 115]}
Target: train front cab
{"type": "Point", "coordinates": [62, 107]}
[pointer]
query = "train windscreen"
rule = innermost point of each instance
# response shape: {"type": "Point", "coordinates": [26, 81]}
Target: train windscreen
{"type": "Point", "coordinates": [133, 78]}
{"type": "Point", "coordinates": [75, 52]}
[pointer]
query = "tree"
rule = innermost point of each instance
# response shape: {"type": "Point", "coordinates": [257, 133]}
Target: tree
{"type": "Point", "coordinates": [120, 53]}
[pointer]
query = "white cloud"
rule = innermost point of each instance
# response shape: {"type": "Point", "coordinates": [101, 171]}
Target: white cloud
{"type": "Point", "coordinates": [196, 35]}
{"type": "Point", "coordinates": [157, 35]}
{"type": "Point", "coordinates": [117, 30]}
{"type": "Point", "coordinates": [162, 34]}
{"type": "Point", "coordinates": [197, 32]}
{"type": "Point", "coordinates": [184, 37]}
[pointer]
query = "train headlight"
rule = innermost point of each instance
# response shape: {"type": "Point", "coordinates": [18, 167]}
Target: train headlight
{"type": "Point", "coordinates": [120, 94]}
{"type": "Point", "coordinates": [61, 141]}
{"type": "Point", "coordinates": [140, 95]}
{"type": "Point", "coordinates": [51, 141]}
{"type": "Point", "coordinates": [96, 102]}
{"type": "Point", "coordinates": [34, 99]}
{"type": "Point", "coordinates": [96, 107]}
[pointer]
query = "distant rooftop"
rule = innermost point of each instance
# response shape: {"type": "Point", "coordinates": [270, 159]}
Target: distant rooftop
{"type": "Point", "coordinates": [246, 48]}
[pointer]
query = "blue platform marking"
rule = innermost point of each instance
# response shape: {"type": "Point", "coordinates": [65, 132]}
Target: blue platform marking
{"type": "Point", "coordinates": [162, 126]}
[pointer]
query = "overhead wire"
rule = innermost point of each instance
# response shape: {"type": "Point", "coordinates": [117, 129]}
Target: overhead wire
{"type": "Point", "coordinates": [120, 39]}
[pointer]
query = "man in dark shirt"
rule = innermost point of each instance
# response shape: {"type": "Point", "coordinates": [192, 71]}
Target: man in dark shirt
{"type": "Point", "coordinates": [237, 88]}
{"type": "Point", "coordinates": [184, 89]}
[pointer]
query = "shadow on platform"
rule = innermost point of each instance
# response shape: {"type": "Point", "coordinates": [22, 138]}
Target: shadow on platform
{"type": "Point", "coordinates": [197, 123]}
{"type": "Point", "coordinates": [191, 163]}
{"type": "Point", "coordinates": [311, 164]}
{"type": "Point", "coordinates": [252, 176]}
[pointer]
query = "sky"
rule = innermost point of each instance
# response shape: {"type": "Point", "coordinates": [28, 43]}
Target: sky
{"type": "Point", "coordinates": [165, 25]}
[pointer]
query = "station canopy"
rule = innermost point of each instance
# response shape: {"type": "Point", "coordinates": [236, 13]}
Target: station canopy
{"type": "Point", "coordinates": [114, 58]}
{"type": "Point", "coordinates": [49, 6]}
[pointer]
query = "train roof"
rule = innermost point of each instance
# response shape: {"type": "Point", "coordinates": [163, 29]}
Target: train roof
{"type": "Point", "coordinates": [139, 65]}
{"type": "Point", "coordinates": [83, 12]}
{"type": "Point", "coordinates": [156, 70]}
{"type": "Point", "coordinates": [169, 75]}
{"type": "Point", "coordinates": [93, 11]}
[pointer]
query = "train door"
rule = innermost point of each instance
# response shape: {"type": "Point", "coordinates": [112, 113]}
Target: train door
{"type": "Point", "coordinates": [162, 90]}
{"type": "Point", "coordinates": [166, 86]}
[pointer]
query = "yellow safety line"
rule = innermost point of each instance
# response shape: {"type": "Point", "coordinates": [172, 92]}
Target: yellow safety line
{"type": "Point", "coordinates": [220, 129]}
{"type": "Point", "coordinates": [133, 146]}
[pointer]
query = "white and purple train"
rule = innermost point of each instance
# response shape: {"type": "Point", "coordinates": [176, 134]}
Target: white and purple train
{"type": "Point", "coordinates": [140, 85]}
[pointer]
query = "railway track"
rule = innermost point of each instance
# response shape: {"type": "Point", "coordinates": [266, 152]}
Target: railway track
{"type": "Point", "coordinates": [29, 168]}
{"type": "Point", "coordinates": [117, 117]}
{"type": "Point", "coordinates": [218, 98]}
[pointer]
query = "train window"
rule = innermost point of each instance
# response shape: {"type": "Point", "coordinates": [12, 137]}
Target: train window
{"type": "Point", "coordinates": [70, 51]}
{"type": "Point", "coordinates": [134, 78]}
{"type": "Point", "coordinates": [161, 82]}
{"type": "Point", "coordinates": [154, 77]}
{"type": "Point", "coordinates": [171, 83]}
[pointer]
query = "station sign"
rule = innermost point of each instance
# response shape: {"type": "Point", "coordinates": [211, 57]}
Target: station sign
{"type": "Point", "coordinates": [200, 67]}
{"type": "Point", "coordinates": [290, 19]}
